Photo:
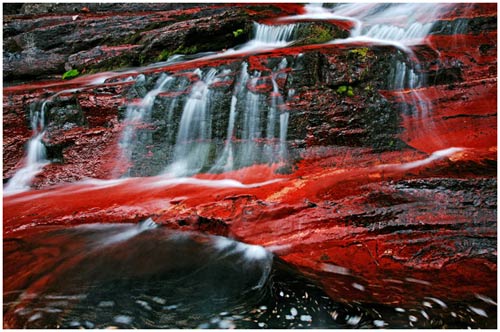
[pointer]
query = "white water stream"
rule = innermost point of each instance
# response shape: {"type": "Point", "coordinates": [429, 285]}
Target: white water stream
{"type": "Point", "coordinates": [36, 155]}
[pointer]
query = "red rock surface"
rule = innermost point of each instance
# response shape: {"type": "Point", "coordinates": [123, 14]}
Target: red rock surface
{"type": "Point", "coordinates": [405, 224]}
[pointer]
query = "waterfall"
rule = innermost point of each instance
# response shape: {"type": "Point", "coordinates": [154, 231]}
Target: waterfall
{"type": "Point", "coordinates": [273, 34]}
{"type": "Point", "coordinates": [267, 37]}
{"type": "Point", "coordinates": [139, 113]}
{"type": "Point", "coordinates": [415, 31]}
{"type": "Point", "coordinates": [277, 102]}
{"type": "Point", "coordinates": [399, 22]}
{"type": "Point", "coordinates": [193, 138]}
{"type": "Point", "coordinates": [400, 25]}
{"type": "Point", "coordinates": [251, 125]}
{"type": "Point", "coordinates": [250, 136]}
{"type": "Point", "coordinates": [36, 154]}
{"type": "Point", "coordinates": [226, 160]}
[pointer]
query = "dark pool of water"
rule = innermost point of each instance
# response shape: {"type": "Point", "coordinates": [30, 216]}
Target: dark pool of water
{"type": "Point", "coordinates": [143, 276]}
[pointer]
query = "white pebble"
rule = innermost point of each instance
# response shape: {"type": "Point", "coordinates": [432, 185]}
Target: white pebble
{"type": "Point", "coordinates": [412, 318]}
{"type": "Point", "coordinates": [159, 300]}
{"type": "Point", "coordinates": [144, 304]}
{"type": "Point", "coordinates": [427, 304]}
{"type": "Point", "coordinates": [399, 309]}
{"type": "Point", "coordinates": [294, 312]}
{"type": "Point", "coordinates": [226, 324]}
{"type": "Point", "coordinates": [104, 304]}
{"type": "Point", "coordinates": [305, 318]}
{"type": "Point", "coordinates": [485, 299]}
{"type": "Point", "coordinates": [438, 301]}
{"type": "Point", "coordinates": [170, 307]}
{"type": "Point", "coordinates": [35, 317]}
{"type": "Point", "coordinates": [354, 320]}
{"type": "Point", "coordinates": [478, 311]}
{"type": "Point", "coordinates": [379, 323]}
{"type": "Point", "coordinates": [122, 319]}
{"type": "Point", "coordinates": [358, 286]}
{"type": "Point", "coordinates": [261, 324]}
{"type": "Point", "coordinates": [289, 317]}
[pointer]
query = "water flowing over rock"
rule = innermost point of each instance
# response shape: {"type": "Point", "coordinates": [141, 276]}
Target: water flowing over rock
{"type": "Point", "coordinates": [343, 156]}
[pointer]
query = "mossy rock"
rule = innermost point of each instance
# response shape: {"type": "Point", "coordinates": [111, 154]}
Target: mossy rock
{"type": "Point", "coordinates": [318, 33]}
{"type": "Point", "coordinates": [359, 53]}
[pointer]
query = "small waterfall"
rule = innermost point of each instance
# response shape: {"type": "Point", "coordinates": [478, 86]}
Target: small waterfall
{"type": "Point", "coordinates": [36, 152]}
{"type": "Point", "coordinates": [283, 134]}
{"type": "Point", "coordinates": [267, 37]}
{"type": "Point", "coordinates": [226, 160]}
{"type": "Point", "coordinates": [36, 155]}
{"type": "Point", "coordinates": [400, 25]}
{"type": "Point", "coordinates": [416, 31]}
{"type": "Point", "coordinates": [277, 102]}
{"type": "Point", "coordinates": [251, 125]}
{"type": "Point", "coordinates": [193, 139]}
{"type": "Point", "coordinates": [274, 34]}
{"type": "Point", "coordinates": [400, 22]}
{"type": "Point", "coordinates": [128, 233]}
{"type": "Point", "coordinates": [141, 113]}
{"type": "Point", "coordinates": [251, 134]}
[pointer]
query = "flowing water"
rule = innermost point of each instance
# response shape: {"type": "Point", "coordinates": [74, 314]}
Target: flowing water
{"type": "Point", "coordinates": [35, 158]}
{"type": "Point", "coordinates": [146, 276]}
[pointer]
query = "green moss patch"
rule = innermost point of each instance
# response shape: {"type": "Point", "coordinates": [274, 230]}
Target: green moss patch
{"type": "Point", "coordinates": [70, 74]}
{"type": "Point", "coordinates": [345, 90]}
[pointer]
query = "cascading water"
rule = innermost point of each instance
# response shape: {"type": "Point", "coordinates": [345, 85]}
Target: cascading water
{"type": "Point", "coordinates": [391, 22]}
{"type": "Point", "coordinates": [193, 146]}
{"type": "Point", "coordinates": [247, 110]}
{"type": "Point", "coordinates": [247, 141]}
{"type": "Point", "coordinates": [267, 37]}
{"type": "Point", "coordinates": [399, 25]}
{"type": "Point", "coordinates": [273, 34]}
{"type": "Point", "coordinates": [36, 152]}
{"type": "Point", "coordinates": [36, 155]}
{"type": "Point", "coordinates": [226, 160]}
{"type": "Point", "coordinates": [138, 114]}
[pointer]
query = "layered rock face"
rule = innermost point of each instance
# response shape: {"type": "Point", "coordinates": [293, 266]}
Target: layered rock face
{"type": "Point", "coordinates": [373, 170]}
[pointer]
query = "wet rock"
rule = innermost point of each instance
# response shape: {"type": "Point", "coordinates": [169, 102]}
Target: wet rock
{"type": "Point", "coordinates": [103, 56]}
{"type": "Point", "coordinates": [32, 62]}
{"type": "Point", "coordinates": [199, 35]}
{"type": "Point", "coordinates": [134, 35]}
